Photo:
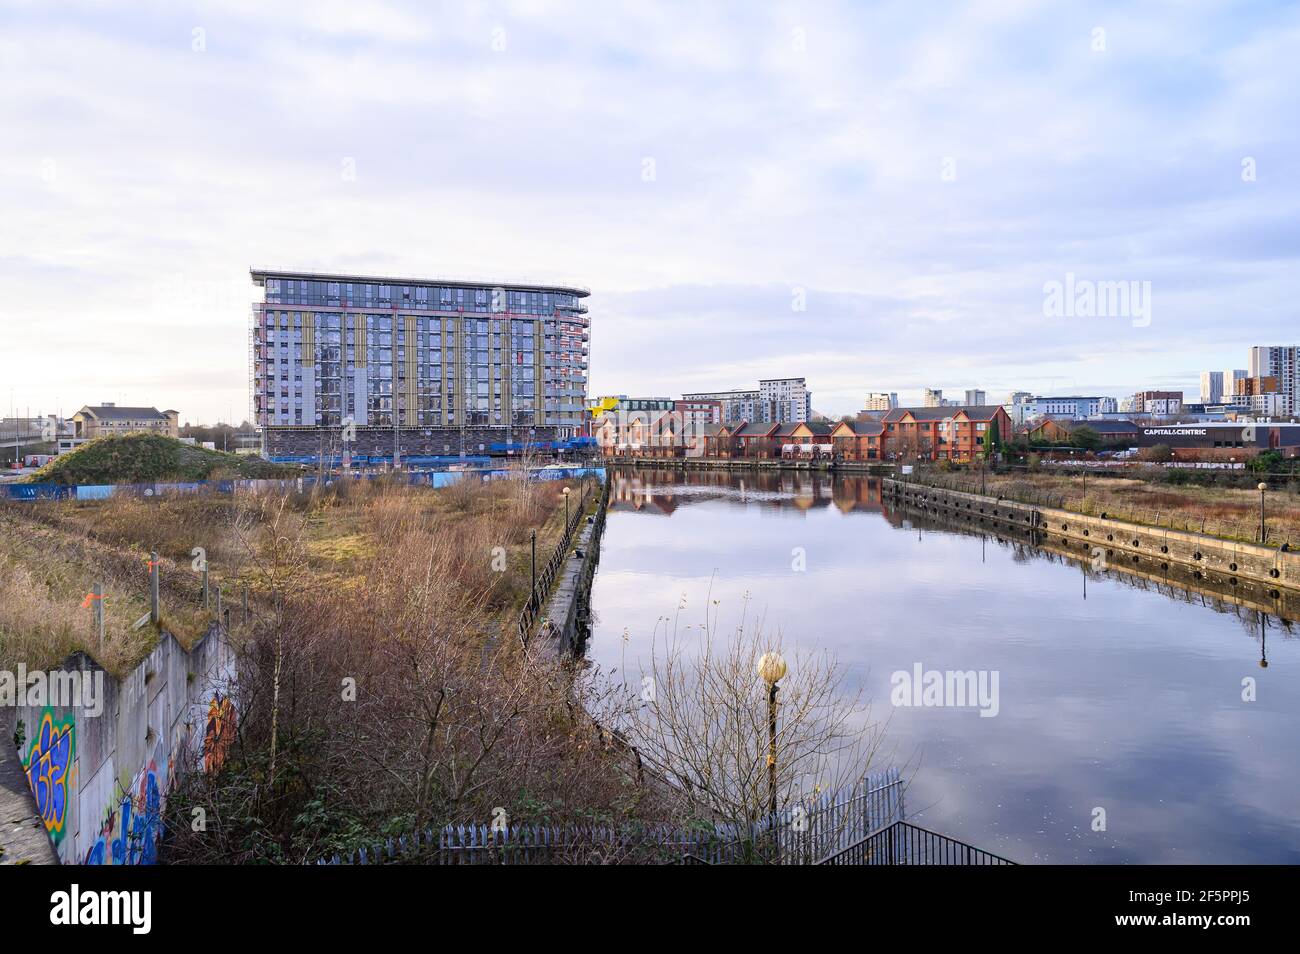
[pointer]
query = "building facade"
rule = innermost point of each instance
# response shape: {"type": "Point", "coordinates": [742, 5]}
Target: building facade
{"type": "Point", "coordinates": [1070, 406]}
{"type": "Point", "coordinates": [1211, 387]}
{"type": "Point", "coordinates": [881, 401]}
{"type": "Point", "coordinates": [945, 433]}
{"type": "Point", "coordinates": [735, 406]}
{"type": "Point", "coordinates": [329, 350]}
{"type": "Point", "coordinates": [1281, 362]}
{"type": "Point", "coordinates": [107, 418]}
{"type": "Point", "coordinates": [785, 400]}
{"type": "Point", "coordinates": [776, 401]}
{"type": "Point", "coordinates": [1158, 403]}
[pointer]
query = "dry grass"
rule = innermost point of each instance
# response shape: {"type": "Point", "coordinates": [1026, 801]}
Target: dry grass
{"type": "Point", "coordinates": [1229, 513]}
{"type": "Point", "coordinates": [352, 537]}
{"type": "Point", "coordinates": [44, 582]}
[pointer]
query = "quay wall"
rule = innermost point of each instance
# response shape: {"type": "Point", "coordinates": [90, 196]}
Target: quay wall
{"type": "Point", "coordinates": [1115, 539]}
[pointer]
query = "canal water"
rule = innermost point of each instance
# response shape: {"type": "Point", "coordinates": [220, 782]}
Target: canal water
{"type": "Point", "coordinates": [1113, 695]}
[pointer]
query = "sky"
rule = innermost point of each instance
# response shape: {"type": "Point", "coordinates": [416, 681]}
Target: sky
{"type": "Point", "coordinates": [874, 196]}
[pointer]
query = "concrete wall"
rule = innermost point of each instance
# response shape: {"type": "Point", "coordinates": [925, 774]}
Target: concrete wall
{"type": "Point", "coordinates": [1206, 554]}
{"type": "Point", "coordinates": [99, 782]}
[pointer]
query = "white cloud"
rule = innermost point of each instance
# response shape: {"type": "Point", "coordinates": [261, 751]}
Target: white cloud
{"type": "Point", "coordinates": [811, 158]}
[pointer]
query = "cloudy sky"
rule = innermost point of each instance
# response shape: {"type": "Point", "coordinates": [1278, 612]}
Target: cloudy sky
{"type": "Point", "coordinates": [871, 195]}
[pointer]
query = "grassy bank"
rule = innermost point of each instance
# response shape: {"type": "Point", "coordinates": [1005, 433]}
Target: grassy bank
{"type": "Point", "coordinates": [1227, 512]}
{"type": "Point", "coordinates": [143, 458]}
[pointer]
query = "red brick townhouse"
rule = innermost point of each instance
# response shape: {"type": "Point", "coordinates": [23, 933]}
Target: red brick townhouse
{"type": "Point", "coordinates": [858, 440]}
{"type": "Point", "coordinates": [804, 439]}
{"type": "Point", "coordinates": [756, 440]}
{"type": "Point", "coordinates": [944, 433]}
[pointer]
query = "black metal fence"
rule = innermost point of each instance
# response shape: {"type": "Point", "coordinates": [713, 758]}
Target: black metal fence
{"type": "Point", "coordinates": [532, 610]}
{"type": "Point", "coordinates": [799, 834]}
{"type": "Point", "coordinates": [903, 843]}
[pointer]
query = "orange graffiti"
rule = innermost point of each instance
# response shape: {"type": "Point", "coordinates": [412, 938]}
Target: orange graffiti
{"type": "Point", "coordinates": [220, 733]}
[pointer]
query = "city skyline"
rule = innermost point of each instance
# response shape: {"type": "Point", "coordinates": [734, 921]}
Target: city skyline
{"type": "Point", "coordinates": [869, 199]}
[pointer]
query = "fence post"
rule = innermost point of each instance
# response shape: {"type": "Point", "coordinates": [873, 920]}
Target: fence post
{"type": "Point", "coordinates": [205, 584]}
{"type": "Point", "coordinates": [97, 611]}
{"type": "Point", "coordinates": [155, 607]}
{"type": "Point", "coordinates": [220, 620]}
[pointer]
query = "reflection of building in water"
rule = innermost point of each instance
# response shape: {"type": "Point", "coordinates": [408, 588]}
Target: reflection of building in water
{"type": "Point", "coordinates": [799, 492]}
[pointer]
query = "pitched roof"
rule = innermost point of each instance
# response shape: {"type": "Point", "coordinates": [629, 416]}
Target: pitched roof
{"type": "Point", "coordinates": [1101, 427]}
{"type": "Point", "coordinates": [1108, 427]}
{"type": "Point", "coordinates": [858, 428]}
{"type": "Point", "coordinates": [110, 412]}
{"type": "Point", "coordinates": [976, 412]}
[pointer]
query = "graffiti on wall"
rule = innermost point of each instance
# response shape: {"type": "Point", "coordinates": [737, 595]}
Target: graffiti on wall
{"type": "Point", "coordinates": [220, 733]}
{"type": "Point", "coordinates": [49, 767]}
{"type": "Point", "coordinates": [132, 825]}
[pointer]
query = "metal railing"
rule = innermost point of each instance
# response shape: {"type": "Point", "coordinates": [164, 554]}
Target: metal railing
{"type": "Point", "coordinates": [797, 835]}
{"type": "Point", "coordinates": [532, 610]}
{"type": "Point", "coordinates": [903, 843]}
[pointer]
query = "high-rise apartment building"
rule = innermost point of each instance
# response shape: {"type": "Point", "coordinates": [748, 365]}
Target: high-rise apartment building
{"type": "Point", "coordinates": [975, 397]}
{"type": "Point", "coordinates": [881, 401]}
{"type": "Point", "coordinates": [330, 350]}
{"type": "Point", "coordinates": [1211, 387]}
{"type": "Point", "coordinates": [1281, 362]}
{"type": "Point", "coordinates": [1230, 379]}
{"type": "Point", "coordinates": [784, 400]}
{"type": "Point", "coordinates": [933, 397]}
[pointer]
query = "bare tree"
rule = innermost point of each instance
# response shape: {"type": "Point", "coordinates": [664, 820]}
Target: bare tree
{"type": "Point", "coordinates": [704, 724]}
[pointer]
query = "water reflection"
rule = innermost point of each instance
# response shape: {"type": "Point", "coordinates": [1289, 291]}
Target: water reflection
{"type": "Point", "coordinates": [1123, 689]}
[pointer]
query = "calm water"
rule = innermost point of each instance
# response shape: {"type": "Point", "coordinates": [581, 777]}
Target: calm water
{"type": "Point", "coordinates": [1129, 700]}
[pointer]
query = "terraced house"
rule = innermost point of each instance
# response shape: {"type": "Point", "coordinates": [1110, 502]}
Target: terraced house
{"type": "Point", "coordinates": [944, 433]}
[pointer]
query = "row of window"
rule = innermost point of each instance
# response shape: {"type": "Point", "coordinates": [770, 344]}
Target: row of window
{"type": "Point", "coordinates": [423, 297]}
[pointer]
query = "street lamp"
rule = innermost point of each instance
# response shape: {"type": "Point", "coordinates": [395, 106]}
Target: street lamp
{"type": "Point", "coordinates": [1262, 487]}
{"type": "Point", "coordinates": [565, 491]}
{"type": "Point", "coordinates": [773, 669]}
